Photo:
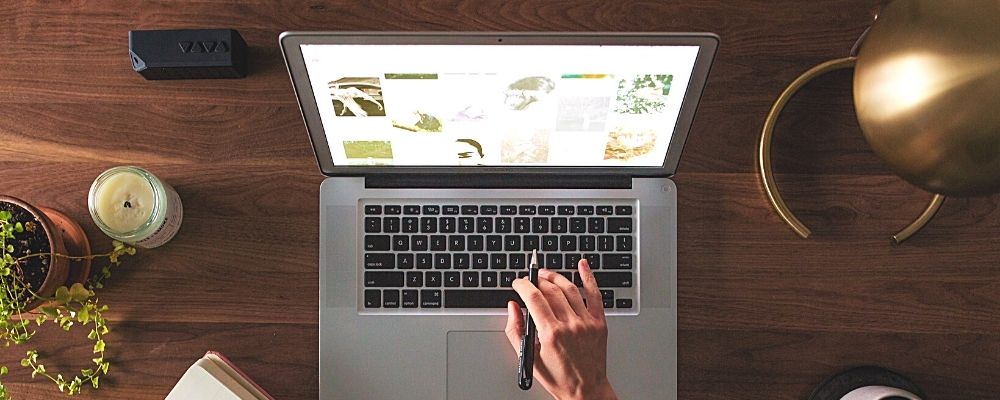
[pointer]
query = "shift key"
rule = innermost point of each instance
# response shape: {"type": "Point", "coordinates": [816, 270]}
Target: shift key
{"type": "Point", "coordinates": [383, 279]}
{"type": "Point", "coordinates": [613, 279]}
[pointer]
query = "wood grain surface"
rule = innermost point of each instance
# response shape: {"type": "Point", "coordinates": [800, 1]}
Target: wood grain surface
{"type": "Point", "coordinates": [762, 313]}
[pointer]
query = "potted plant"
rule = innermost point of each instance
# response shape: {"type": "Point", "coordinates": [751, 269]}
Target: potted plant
{"type": "Point", "coordinates": [45, 263]}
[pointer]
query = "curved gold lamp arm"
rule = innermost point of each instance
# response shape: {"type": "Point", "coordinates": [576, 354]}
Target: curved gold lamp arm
{"type": "Point", "coordinates": [764, 156]}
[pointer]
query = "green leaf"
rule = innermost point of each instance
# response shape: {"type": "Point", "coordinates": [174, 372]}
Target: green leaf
{"type": "Point", "coordinates": [79, 293]}
{"type": "Point", "coordinates": [94, 381]}
{"type": "Point", "coordinates": [3, 370]}
{"type": "Point", "coordinates": [24, 362]}
{"type": "Point", "coordinates": [18, 227]}
{"type": "Point", "coordinates": [49, 311]}
{"type": "Point", "coordinates": [62, 295]}
{"type": "Point", "coordinates": [99, 346]}
{"type": "Point", "coordinates": [104, 367]}
{"type": "Point", "coordinates": [92, 335]}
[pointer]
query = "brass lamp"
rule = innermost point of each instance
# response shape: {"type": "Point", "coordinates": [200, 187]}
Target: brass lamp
{"type": "Point", "coordinates": [927, 97]}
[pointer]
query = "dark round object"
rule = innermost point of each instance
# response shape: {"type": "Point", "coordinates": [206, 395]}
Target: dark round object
{"type": "Point", "coordinates": [845, 382]}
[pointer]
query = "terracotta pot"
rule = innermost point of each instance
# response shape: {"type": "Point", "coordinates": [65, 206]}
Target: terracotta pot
{"type": "Point", "coordinates": [65, 237]}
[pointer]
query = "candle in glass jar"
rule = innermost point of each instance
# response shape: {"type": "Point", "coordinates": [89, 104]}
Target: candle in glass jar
{"type": "Point", "coordinates": [133, 205]}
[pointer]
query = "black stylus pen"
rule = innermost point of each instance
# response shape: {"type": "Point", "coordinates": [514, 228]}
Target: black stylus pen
{"type": "Point", "coordinates": [526, 363]}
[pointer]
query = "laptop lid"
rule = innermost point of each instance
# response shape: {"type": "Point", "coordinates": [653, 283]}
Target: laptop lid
{"type": "Point", "coordinates": [576, 103]}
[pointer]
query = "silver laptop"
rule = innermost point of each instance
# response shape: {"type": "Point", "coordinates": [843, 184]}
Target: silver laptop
{"type": "Point", "coordinates": [450, 156]}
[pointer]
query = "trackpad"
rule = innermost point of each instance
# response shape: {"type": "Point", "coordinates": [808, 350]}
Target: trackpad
{"type": "Point", "coordinates": [483, 366]}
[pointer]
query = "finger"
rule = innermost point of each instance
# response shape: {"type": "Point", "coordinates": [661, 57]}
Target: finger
{"type": "Point", "coordinates": [594, 302]}
{"type": "Point", "coordinates": [515, 325]}
{"type": "Point", "coordinates": [536, 303]}
{"type": "Point", "coordinates": [557, 300]}
{"type": "Point", "coordinates": [569, 290]}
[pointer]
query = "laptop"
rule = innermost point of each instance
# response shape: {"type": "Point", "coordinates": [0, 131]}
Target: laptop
{"type": "Point", "coordinates": [450, 157]}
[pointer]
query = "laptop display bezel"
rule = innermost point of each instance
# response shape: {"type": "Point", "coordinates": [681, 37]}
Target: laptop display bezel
{"type": "Point", "coordinates": [291, 43]}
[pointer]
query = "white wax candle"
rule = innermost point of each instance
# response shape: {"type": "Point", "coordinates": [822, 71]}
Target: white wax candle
{"type": "Point", "coordinates": [124, 202]}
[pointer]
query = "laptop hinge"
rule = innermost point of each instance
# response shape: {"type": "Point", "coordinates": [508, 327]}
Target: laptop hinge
{"type": "Point", "coordinates": [497, 181]}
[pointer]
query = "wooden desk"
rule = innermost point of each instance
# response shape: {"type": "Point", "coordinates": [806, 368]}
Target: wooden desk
{"type": "Point", "coordinates": [763, 314]}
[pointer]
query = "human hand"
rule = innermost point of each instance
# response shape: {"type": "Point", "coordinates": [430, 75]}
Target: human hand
{"type": "Point", "coordinates": [572, 348]}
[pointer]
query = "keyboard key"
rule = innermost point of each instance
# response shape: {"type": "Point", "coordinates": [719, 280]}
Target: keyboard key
{"type": "Point", "coordinates": [470, 279]}
{"type": "Point", "coordinates": [442, 261]}
{"type": "Point", "coordinates": [503, 225]}
{"type": "Point", "coordinates": [550, 243]}
{"type": "Point", "coordinates": [480, 261]}
{"type": "Point", "coordinates": [393, 210]}
{"type": "Point", "coordinates": [377, 243]}
{"type": "Point", "coordinates": [593, 260]}
{"type": "Point", "coordinates": [383, 279]}
{"type": "Point", "coordinates": [619, 225]}
{"type": "Point", "coordinates": [425, 261]}
{"type": "Point", "coordinates": [605, 243]}
{"type": "Point", "coordinates": [489, 279]}
{"type": "Point", "coordinates": [507, 279]}
{"type": "Point", "coordinates": [373, 210]}
{"type": "Point", "coordinates": [456, 243]}
{"type": "Point", "coordinates": [380, 261]}
{"type": "Point", "coordinates": [428, 225]}
{"type": "Point", "coordinates": [577, 225]}
{"type": "Point", "coordinates": [585, 210]}
{"type": "Point", "coordinates": [566, 210]}
{"type": "Point", "coordinates": [547, 210]}
{"type": "Point", "coordinates": [553, 261]}
{"type": "Point", "coordinates": [466, 225]}
{"type": "Point", "coordinates": [623, 303]}
{"type": "Point", "coordinates": [608, 303]}
{"type": "Point", "coordinates": [400, 243]}
{"type": "Point", "coordinates": [439, 243]}
{"type": "Point", "coordinates": [452, 279]}
{"type": "Point", "coordinates": [572, 261]}
{"type": "Point", "coordinates": [414, 279]}
{"type": "Point", "coordinates": [431, 210]}
{"type": "Point", "coordinates": [411, 210]}
{"type": "Point", "coordinates": [624, 243]}
{"type": "Point", "coordinates": [373, 298]}
{"type": "Point", "coordinates": [577, 280]}
{"type": "Point", "coordinates": [484, 225]}
{"type": "Point", "coordinates": [447, 225]}
{"type": "Point", "coordinates": [494, 243]}
{"type": "Point", "coordinates": [623, 210]}
{"type": "Point", "coordinates": [588, 243]}
{"type": "Point", "coordinates": [559, 225]}
{"type": "Point", "coordinates": [567, 243]}
{"type": "Point", "coordinates": [512, 243]}
{"type": "Point", "coordinates": [430, 298]}
{"type": "Point", "coordinates": [449, 210]}
{"type": "Point", "coordinates": [373, 225]}
{"type": "Point", "coordinates": [390, 299]}
{"type": "Point", "coordinates": [522, 225]}
{"type": "Point", "coordinates": [475, 243]}
{"type": "Point", "coordinates": [470, 210]}
{"type": "Point", "coordinates": [390, 225]}
{"type": "Point", "coordinates": [607, 294]}
{"type": "Point", "coordinates": [404, 261]}
{"type": "Point", "coordinates": [605, 210]}
{"type": "Point", "coordinates": [432, 279]}
{"type": "Point", "coordinates": [613, 279]}
{"type": "Point", "coordinates": [410, 299]}
{"type": "Point", "coordinates": [539, 225]}
{"type": "Point", "coordinates": [617, 261]}
{"type": "Point", "coordinates": [488, 210]}
{"type": "Point", "coordinates": [595, 225]}
{"type": "Point", "coordinates": [527, 210]}
{"type": "Point", "coordinates": [479, 298]}
{"type": "Point", "coordinates": [418, 243]}
{"type": "Point", "coordinates": [517, 261]}
{"type": "Point", "coordinates": [461, 261]}
{"type": "Point", "coordinates": [530, 243]}
{"type": "Point", "coordinates": [411, 224]}
{"type": "Point", "coordinates": [498, 261]}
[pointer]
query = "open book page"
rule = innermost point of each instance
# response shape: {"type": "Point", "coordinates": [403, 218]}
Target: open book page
{"type": "Point", "coordinates": [237, 375]}
{"type": "Point", "coordinates": [205, 380]}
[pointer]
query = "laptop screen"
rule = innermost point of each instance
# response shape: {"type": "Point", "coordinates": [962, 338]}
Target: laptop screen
{"type": "Point", "coordinates": [512, 105]}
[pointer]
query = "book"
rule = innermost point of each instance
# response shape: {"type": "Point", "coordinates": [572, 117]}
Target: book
{"type": "Point", "coordinates": [214, 377]}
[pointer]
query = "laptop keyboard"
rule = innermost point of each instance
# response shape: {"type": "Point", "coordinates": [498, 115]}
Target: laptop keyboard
{"type": "Point", "coordinates": [420, 256]}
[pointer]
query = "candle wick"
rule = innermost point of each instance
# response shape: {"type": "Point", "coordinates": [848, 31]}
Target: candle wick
{"type": "Point", "coordinates": [128, 204]}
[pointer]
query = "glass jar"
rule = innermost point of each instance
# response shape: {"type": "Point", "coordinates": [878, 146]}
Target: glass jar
{"type": "Point", "coordinates": [132, 205]}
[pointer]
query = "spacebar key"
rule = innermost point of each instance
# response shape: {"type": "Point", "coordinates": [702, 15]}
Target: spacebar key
{"type": "Point", "coordinates": [479, 298]}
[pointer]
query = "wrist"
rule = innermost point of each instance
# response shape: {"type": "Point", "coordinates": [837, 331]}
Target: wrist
{"type": "Point", "coordinates": [599, 391]}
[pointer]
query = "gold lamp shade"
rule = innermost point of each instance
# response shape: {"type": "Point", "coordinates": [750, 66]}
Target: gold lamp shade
{"type": "Point", "coordinates": [927, 97]}
{"type": "Point", "coordinates": [927, 93]}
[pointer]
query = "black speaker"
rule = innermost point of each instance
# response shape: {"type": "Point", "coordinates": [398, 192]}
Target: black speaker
{"type": "Point", "coordinates": [188, 54]}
